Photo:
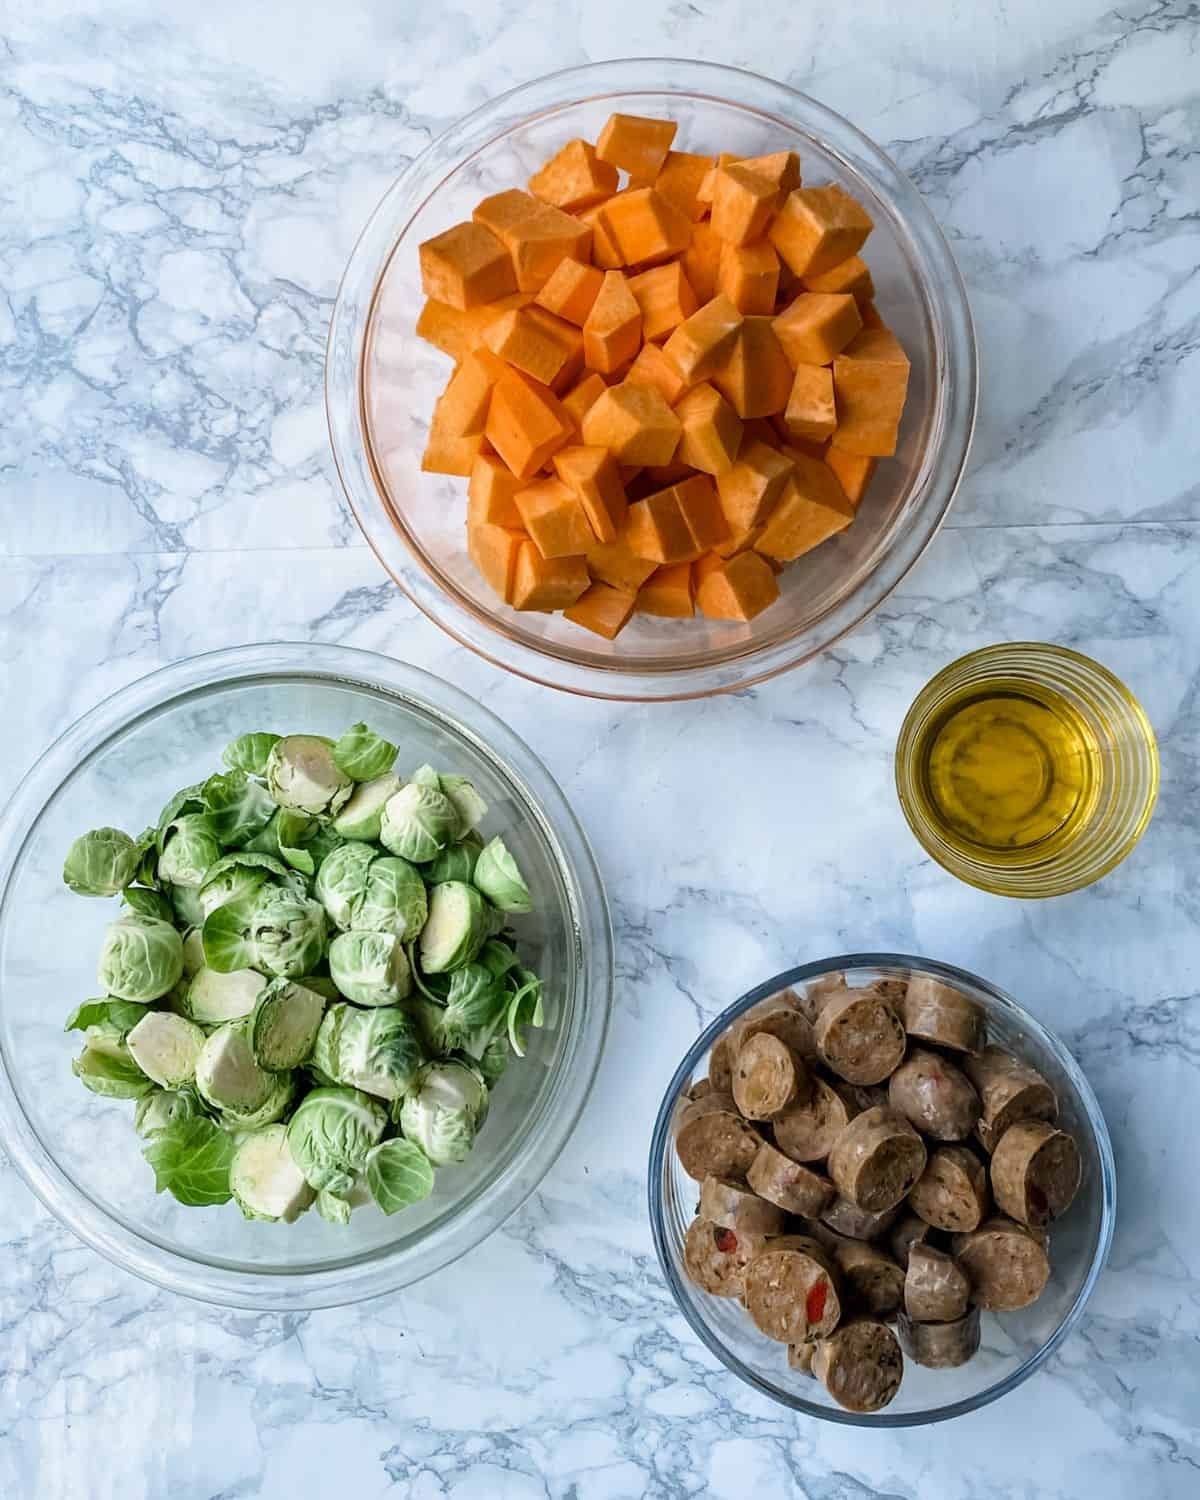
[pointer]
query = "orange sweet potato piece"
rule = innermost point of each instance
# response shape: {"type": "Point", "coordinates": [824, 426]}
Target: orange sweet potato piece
{"type": "Point", "coordinates": [750, 489]}
{"type": "Point", "coordinates": [817, 326]}
{"type": "Point", "coordinates": [665, 298]}
{"type": "Point", "coordinates": [756, 378]}
{"type": "Point", "coordinates": [524, 341]}
{"type": "Point", "coordinates": [652, 367]}
{"type": "Point", "coordinates": [526, 424]}
{"type": "Point", "coordinates": [456, 331]}
{"type": "Point", "coordinates": [854, 472]}
{"type": "Point", "coordinates": [811, 413]}
{"type": "Point", "coordinates": [554, 518]}
{"type": "Point", "coordinates": [851, 275]}
{"type": "Point", "coordinates": [592, 476]}
{"type": "Point", "coordinates": [571, 290]}
{"type": "Point", "coordinates": [870, 378]}
{"type": "Point", "coordinates": [574, 178]}
{"type": "Point", "coordinates": [446, 454]}
{"type": "Point", "coordinates": [580, 398]}
{"type": "Point", "coordinates": [712, 430]}
{"type": "Point", "coordinates": [738, 541]}
{"type": "Point", "coordinates": [493, 550]}
{"type": "Point", "coordinates": [634, 422]}
{"type": "Point", "coordinates": [645, 227]}
{"type": "Point", "coordinates": [702, 343]}
{"type": "Point", "coordinates": [668, 592]}
{"type": "Point", "coordinates": [780, 167]}
{"type": "Point", "coordinates": [636, 144]}
{"type": "Point", "coordinates": [546, 582]}
{"type": "Point", "coordinates": [657, 528]}
{"type": "Point", "coordinates": [570, 340]}
{"type": "Point", "coordinates": [817, 228]}
{"type": "Point", "coordinates": [680, 178]}
{"type": "Point", "coordinates": [737, 589]}
{"type": "Point", "coordinates": [465, 266]}
{"type": "Point", "coordinates": [708, 186]}
{"type": "Point", "coordinates": [613, 563]}
{"type": "Point", "coordinates": [812, 509]}
{"type": "Point", "coordinates": [612, 333]}
{"type": "Point", "coordinates": [702, 261]}
{"type": "Point", "coordinates": [461, 410]}
{"type": "Point", "coordinates": [605, 253]}
{"type": "Point", "coordinates": [536, 235]}
{"type": "Point", "coordinates": [742, 205]}
{"type": "Point", "coordinates": [602, 609]}
{"type": "Point", "coordinates": [701, 508]}
{"type": "Point", "coordinates": [749, 276]}
{"type": "Point", "coordinates": [491, 495]}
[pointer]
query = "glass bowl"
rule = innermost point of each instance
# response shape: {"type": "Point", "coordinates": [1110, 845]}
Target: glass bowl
{"type": "Point", "coordinates": [1013, 1345]}
{"type": "Point", "coordinates": [118, 765]}
{"type": "Point", "coordinates": [381, 382]}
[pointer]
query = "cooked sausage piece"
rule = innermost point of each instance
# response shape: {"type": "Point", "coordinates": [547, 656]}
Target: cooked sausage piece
{"type": "Point", "coordinates": [936, 1013]}
{"type": "Point", "coordinates": [859, 1036]}
{"type": "Point", "coordinates": [893, 989]}
{"type": "Point", "coordinates": [1006, 1262]}
{"type": "Point", "coordinates": [800, 1357]}
{"type": "Point", "coordinates": [713, 1140]}
{"type": "Point", "coordinates": [1035, 1172]}
{"type": "Point", "coordinates": [734, 1207]}
{"type": "Point", "coordinates": [911, 1230]}
{"type": "Point", "coordinates": [860, 1365]}
{"type": "Point", "coordinates": [791, 1291]}
{"type": "Point", "coordinates": [779, 1015]}
{"type": "Point", "coordinates": [701, 1087]}
{"type": "Point", "coordinates": [1009, 1090]}
{"type": "Point", "coordinates": [767, 1077]}
{"type": "Point", "coordinates": [936, 1288]}
{"type": "Point", "coordinates": [789, 1184]}
{"type": "Point", "coordinates": [720, 1065]}
{"type": "Point", "coordinates": [934, 1095]}
{"type": "Point", "coordinates": [876, 1159]}
{"type": "Point", "coordinates": [871, 1280]}
{"type": "Point", "coordinates": [940, 1346]}
{"type": "Point", "coordinates": [716, 1257]}
{"type": "Point", "coordinates": [845, 1217]}
{"type": "Point", "coordinates": [952, 1192]}
{"type": "Point", "coordinates": [806, 1132]}
{"type": "Point", "coordinates": [860, 1096]}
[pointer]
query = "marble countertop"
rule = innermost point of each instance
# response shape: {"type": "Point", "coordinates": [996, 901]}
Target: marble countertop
{"type": "Point", "coordinates": [177, 201]}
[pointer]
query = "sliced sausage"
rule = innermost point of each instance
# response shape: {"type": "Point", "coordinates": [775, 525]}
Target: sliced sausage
{"type": "Point", "coordinates": [911, 1230]}
{"type": "Point", "coordinates": [1035, 1172]}
{"type": "Point", "coordinates": [952, 1192]}
{"type": "Point", "coordinates": [934, 1095]}
{"type": "Point", "coordinates": [791, 1290]}
{"type": "Point", "coordinates": [1006, 1262]}
{"type": "Point", "coordinates": [818, 991]}
{"type": "Point", "coordinates": [845, 1217]}
{"type": "Point", "coordinates": [860, 1365]}
{"type": "Point", "coordinates": [936, 1013]}
{"type": "Point", "coordinates": [859, 1036]}
{"type": "Point", "coordinates": [712, 1139]}
{"type": "Point", "coordinates": [861, 1096]}
{"type": "Point", "coordinates": [806, 1132]}
{"type": "Point", "coordinates": [1009, 1090]}
{"type": "Point", "coordinates": [701, 1087]}
{"type": "Point", "coordinates": [767, 1077]}
{"type": "Point", "coordinates": [876, 1159]}
{"type": "Point", "coordinates": [871, 1280]}
{"type": "Point", "coordinates": [893, 989]}
{"type": "Point", "coordinates": [800, 1357]}
{"type": "Point", "coordinates": [940, 1346]}
{"type": "Point", "coordinates": [720, 1065]}
{"type": "Point", "coordinates": [936, 1288]}
{"type": "Point", "coordinates": [779, 1015]}
{"type": "Point", "coordinates": [734, 1207]}
{"type": "Point", "coordinates": [716, 1257]}
{"type": "Point", "coordinates": [789, 1184]}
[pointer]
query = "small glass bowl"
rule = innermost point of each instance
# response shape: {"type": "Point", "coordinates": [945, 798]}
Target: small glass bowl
{"type": "Point", "coordinates": [1013, 1345]}
{"type": "Point", "coordinates": [117, 766]}
{"type": "Point", "coordinates": [381, 382]}
{"type": "Point", "coordinates": [1126, 773]}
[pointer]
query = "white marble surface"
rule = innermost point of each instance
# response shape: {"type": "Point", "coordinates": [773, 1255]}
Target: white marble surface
{"type": "Point", "coordinates": [180, 188]}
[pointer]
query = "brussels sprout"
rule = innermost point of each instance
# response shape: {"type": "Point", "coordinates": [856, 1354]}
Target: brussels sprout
{"type": "Point", "coordinates": [322, 842]}
{"type": "Point", "coordinates": [190, 848]}
{"type": "Point", "coordinates": [212, 998]}
{"type": "Point", "coordinates": [363, 755]}
{"type": "Point", "coordinates": [277, 1106]}
{"type": "Point", "coordinates": [459, 923]}
{"type": "Point", "coordinates": [393, 899]}
{"type": "Point", "coordinates": [287, 932]}
{"type": "Point", "coordinates": [426, 776]}
{"type": "Point", "coordinates": [193, 952]}
{"type": "Point", "coordinates": [378, 1051]}
{"type": "Point", "coordinates": [333, 1208]}
{"type": "Point", "coordinates": [265, 1181]}
{"type": "Point", "coordinates": [398, 1174]}
{"type": "Point", "coordinates": [148, 903]}
{"type": "Point", "coordinates": [185, 903]}
{"type": "Point", "coordinates": [469, 805]}
{"type": "Point", "coordinates": [147, 870]}
{"type": "Point", "coordinates": [477, 1002]}
{"type": "Point", "coordinates": [185, 802]}
{"type": "Point", "coordinates": [342, 880]}
{"type": "Point", "coordinates": [455, 863]}
{"type": "Point", "coordinates": [227, 1075]}
{"type": "Point", "coordinates": [241, 876]}
{"type": "Point", "coordinates": [331, 1134]}
{"type": "Point", "coordinates": [370, 968]}
{"type": "Point", "coordinates": [101, 863]}
{"type": "Point", "coordinates": [238, 808]}
{"type": "Point", "coordinates": [165, 1047]}
{"type": "Point", "coordinates": [363, 813]}
{"type": "Point", "coordinates": [191, 1160]}
{"type": "Point", "coordinates": [285, 1024]}
{"type": "Point", "coordinates": [141, 958]}
{"type": "Point", "coordinates": [164, 1107]}
{"type": "Point", "coordinates": [302, 775]}
{"type": "Point", "coordinates": [430, 1019]}
{"type": "Point", "coordinates": [418, 822]}
{"type": "Point", "coordinates": [497, 876]}
{"type": "Point", "coordinates": [106, 1023]}
{"type": "Point", "coordinates": [112, 1074]}
{"type": "Point", "coordinates": [443, 1114]}
{"type": "Point", "coordinates": [249, 753]}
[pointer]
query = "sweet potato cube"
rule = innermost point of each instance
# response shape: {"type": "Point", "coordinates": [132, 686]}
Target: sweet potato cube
{"type": "Point", "coordinates": [645, 227]}
{"type": "Point", "coordinates": [810, 412]}
{"type": "Point", "coordinates": [749, 276]}
{"type": "Point", "coordinates": [665, 298]}
{"type": "Point", "coordinates": [870, 379]}
{"type": "Point", "coordinates": [634, 422]}
{"type": "Point", "coordinates": [703, 566]}
{"type": "Point", "coordinates": [636, 144]}
{"type": "Point", "coordinates": [571, 290]}
{"type": "Point", "coordinates": [592, 476]}
{"type": "Point", "coordinates": [679, 181]}
{"type": "Point", "coordinates": [461, 410]}
{"type": "Point", "coordinates": [780, 167]}
{"type": "Point", "coordinates": [580, 398]}
{"type": "Point", "coordinates": [851, 275]}
{"type": "Point", "coordinates": [570, 340]}
{"type": "Point", "coordinates": [702, 260]}
{"type": "Point", "coordinates": [447, 454]}
{"type": "Point", "coordinates": [554, 518]}
{"type": "Point", "coordinates": [546, 582]}
{"type": "Point", "coordinates": [817, 228]}
{"type": "Point", "coordinates": [574, 178]}
{"type": "Point", "coordinates": [701, 508]}
{"type": "Point", "coordinates": [605, 253]}
{"type": "Point", "coordinates": [756, 378]}
{"type": "Point", "coordinates": [750, 489]}
{"type": "Point", "coordinates": [708, 185]}
{"type": "Point", "coordinates": [737, 589]}
{"type": "Point", "coordinates": [712, 430]}
{"type": "Point", "coordinates": [657, 528]}
{"type": "Point", "coordinates": [493, 550]}
{"type": "Point", "coordinates": [612, 333]}
{"type": "Point", "coordinates": [652, 367]}
{"type": "Point", "coordinates": [491, 495]}
{"type": "Point", "coordinates": [668, 592]}
{"type": "Point", "coordinates": [536, 235]}
{"type": "Point", "coordinates": [702, 343]}
{"type": "Point", "coordinates": [526, 424]}
{"type": "Point", "coordinates": [817, 326]}
{"type": "Point", "coordinates": [813, 508]}
{"type": "Point", "coordinates": [738, 541]}
{"type": "Point", "coordinates": [525, 343]}
{"type": "Point", "coordinates": [465, 266]}
{"type": "Point", "coordinates": [602, 609]}
{"type": "Point", "coordinates": [854, 472]}
{"type": "Point", "coordinates": [457, 331]}
{"type": "Point", "coordinates": [742, 204]}
{"type": "Point", "coordinates": [613, 563]}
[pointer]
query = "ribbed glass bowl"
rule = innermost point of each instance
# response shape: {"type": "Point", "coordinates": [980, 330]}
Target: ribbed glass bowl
{"type": "Point", "coordinates": [382, 380]}
{"type": "Point", "coordinates": [1013, 1345]}
{"type": "Point", "coordinates": [118, 765]}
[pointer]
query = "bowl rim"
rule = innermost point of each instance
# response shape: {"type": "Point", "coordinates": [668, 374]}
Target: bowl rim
{"type": "Point", "coordinates": [379, 1270]}
{"type": "Point", "coordinates": [956, 374]}
{"type": "Point", "coordinates": [661, 1141]}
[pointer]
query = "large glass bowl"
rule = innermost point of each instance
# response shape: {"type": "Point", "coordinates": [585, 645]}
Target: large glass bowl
{"type": "Point", "coordinates": [382, 380]}
{"type": "Point", "coordinates": [118, 765]}
{"type": "Point", "coordinates": [1013, 1345]}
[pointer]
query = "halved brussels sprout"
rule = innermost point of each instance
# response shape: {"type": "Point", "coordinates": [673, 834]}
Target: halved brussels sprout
{"type": "Point", "coordinates": [459, 923]}
{"type": "Point", "coordinates": [444, 1112]}
{"type": "Point", "coordinates": [265, 1180]}
{"type": "Point", "coordinates": [302, 775]}
{"type": "Point", "coordinates": [418, 823]}
{"type": "Point", "coordinates": [363, 755]}
{"type": "Point", "coordinates": [189, 850]}
{"type": "Point", "coordinates": [212, 998]}
{"type": "Point", "coordinates": [284, 1027]}
{"type": "Point", "coordinates": [342, 880]}
{"type": "Point", "coordinates": [227, 1075]}
{"type": "Point", "coordinates": [363, 813]}
{"type": "Point", "coordinates": [165, 1047]}
{"type": "Point", "coordinates": [497, 876]}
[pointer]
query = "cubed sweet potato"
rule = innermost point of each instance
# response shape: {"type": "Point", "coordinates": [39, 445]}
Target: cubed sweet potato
{"type": "Point", "coordinates": [779, 167]}
{"type": "Point", "coordinates": [493, 550]}
{"type": "Point", "coordinates": [712, 430]}
{"type": "Point", "coordinates": [702, 343]}
{"type": "Point", "coordinates": [851, 275]}
{"type": "Point", "coordinates": [571, 290]}
{"type": "Point", "coordinates": [870, 379]}
{"type": "Point", "coordinates": [543, 583]}
{"type": "Point", "coordinates": [612, 332]}
{"type": "Point", "coordinates": [854, 472]}
{"type": "Point", "coordinates": [634, 423]}
{"type": "Point", "coordinates": [668, 592]}
{"type": "Point", "coordinates": [755, 378]}
{"type": "Point", "coordinates": [811, 510]}
{"type": "Point", "coordinates": [652, 367]}
{"type": "Point", "coordinates": [636, 144]}
{"type": "Point", "coordinates": [665, 298]}
{"type": "Point", "coordinates": [466, 266]}
{"type": "Point", "coordinates": [491, 495]}
{"type": "Point", "coordinates": [536, 235]}
{"type": "Point", "coordinates": [522, 340]}
{"type": "Point", "coordinates": [457, 331]}
{"type": "Point", "coordinates": [592, 476]}
{"type": "Point", "coordinates": [602, 609]}
{"type": "Point", "coordinates": [700, 507]}
{"type": "Point", "coordinates": [526, 424]}
{"type": "Point", "coordinates": [679, 181]}
{"type": "Point", "coordinates": [578, 401]}
{"type": "Point", "coordinates": [657, 528]}
{"type": "Point", "coordinates": [615, 564]}
{"type": "Point", "coordinates": [554, 518]}
{"type": "Point", "coordinates": [702, 261]}
{"type": "Point", "coordinates": [742, 205]}
{"type": "Point", "coordinates": [817, 228]}
{"type": "Point", "coordinates": [749, 276]}
{"type": "Point", "coordinates": [817, 326]}
{"type": "Point", "coordinates": [645, 227]}
{"type": "Point", "coordinates": [737, 589]}
{"type": "Point", "coordinates": [811, 412]}
{"type": "Point", "coordinates": [574, 178]}
{"type": "Point", "coordinates": [447, 454]}
{"type": "Point", "coordinates": [750, 489]}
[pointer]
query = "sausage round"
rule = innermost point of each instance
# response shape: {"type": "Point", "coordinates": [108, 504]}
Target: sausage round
{"type": "Point", "coordinates": [767, 1077]}
{"type": "Point", "coordinates": [789, 1184]}
{"type": "Point", "coordinates": [716, 1257]}
{"type": "Point", "coordinates": [712, 1139]}
{"type": "Point", "coordinates": [720, 1064]}
{"type": "Point", "coordinates": [952, 1192]}
{"type": "Point", "coordinates": [1009, 1090]}
{"type": "Point", "coordinates": [1035, 1172]}
{"type": "Point", "coordinates": [806, 1132]}
{"type": "Point", "coordinates": [1006, 1262]}
{"type": "Point", "coordinates": [800, 1357]}
{"type": "Point", "coordinates": [733, 1206]}
{"type": "Point", "coordinates": [859, 1096]}
{"type": "Point", "coordinates": [940, 1346]}
{"type": "Point", "coordinates": [936, 1013]}
{"type": "Point", "coordinates": [934, 1095]}
{"type": "Point", "coordinates": [911, 1230]}
{"type": "Point", "coordinates": [791, 1290]}
{"type": "Point", "coordinates": [859, 1036]}
{"type": "Point", "coordinates": [818, 991]}
{"type": "Point", "coordinates": [701, 1087]}
{"type": "Point", "coordinates": [845, 1217]}
{"type": "Point", "coordinates": [876, 1159]}
{"type": "Point", "coordinates": [860, 1365]}
{"type": "Point", "coordinates": [779, 1015]}
{"type": "Point", "coordinates": [936, 1288]}
{"type": "Point", "coordinates": [871, 1280]}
